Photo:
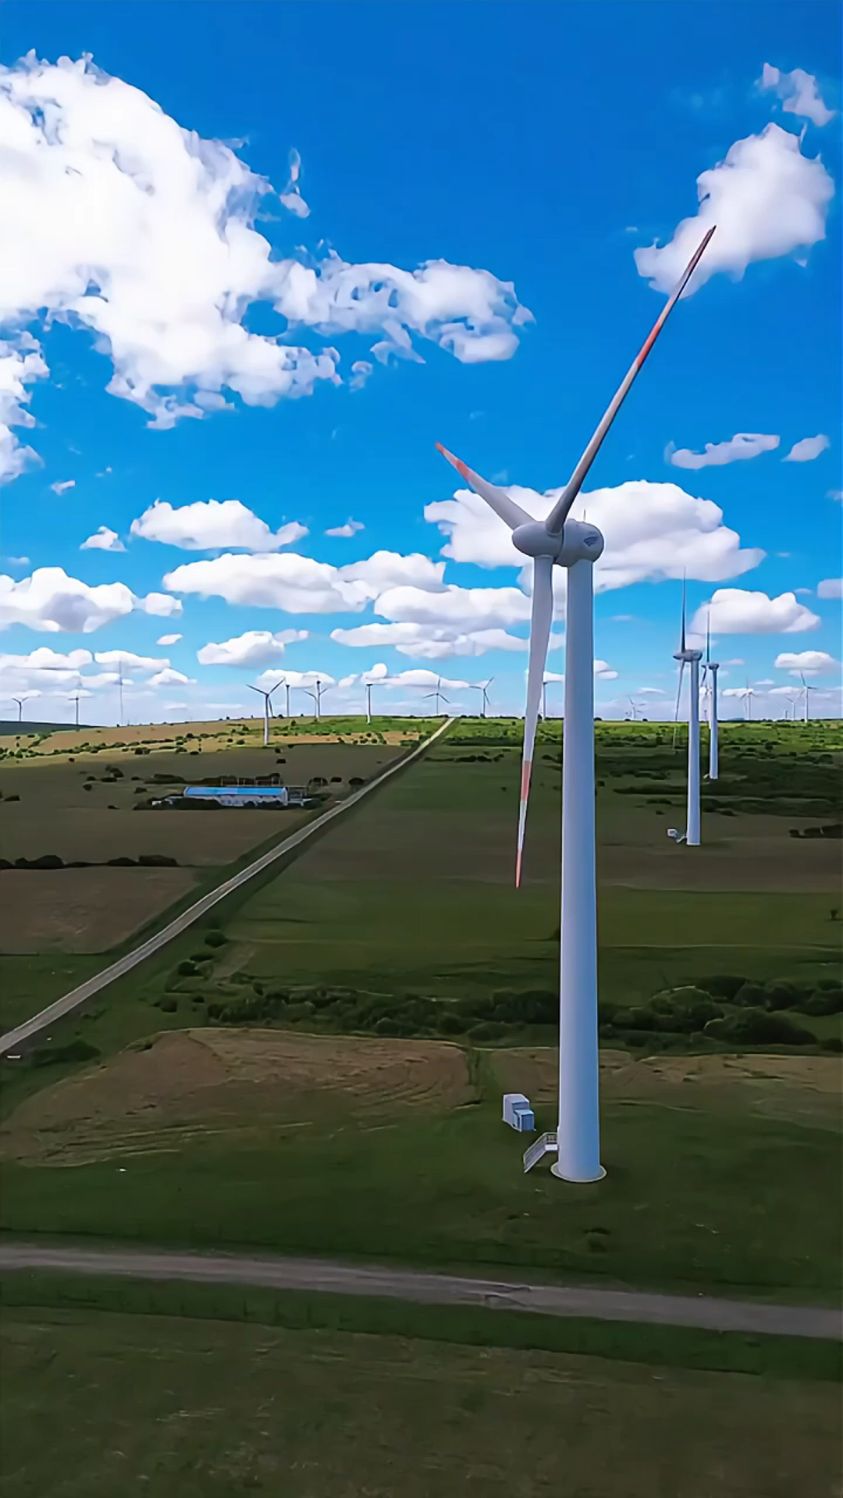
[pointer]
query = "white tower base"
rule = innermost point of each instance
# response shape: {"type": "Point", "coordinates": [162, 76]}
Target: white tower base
{"type": "Point", "coordinates": [578, 1134]}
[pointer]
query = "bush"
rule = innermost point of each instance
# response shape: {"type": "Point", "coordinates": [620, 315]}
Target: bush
{"type": "Point", "coordinates": [751, 996]}
{"type": "Point", "coordinates": [832, 1043]}
{"type": "Point", "coordinates": [157, 861]}
{"type": "Point", "coordinates": [186, 968]}
{"type": "Point", "coordinates": [489, 1029]}
{"type": "Point", "coordinates": [75, 1050]}
{"type": "Point", "coordinates": [780, 994]}
{"type": "Point", "coordinates": [449, 1023]}
{"type": "Point", "coordinates": [45, 861]}
{"type": "Point", "coordinates": [823, 1001]}
{"type": "Point", "coordinates": [723, 986]}
{"type": "Point", "coordinates": [168, 1005]}
{"type": "Point", "coordinates": [215, 939]}
{"type": "Point", "coordinates": [758, 1027]}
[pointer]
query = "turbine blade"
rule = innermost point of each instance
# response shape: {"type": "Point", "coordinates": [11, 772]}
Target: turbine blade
{"type": "Point", "coordinates": [540, 622]}
{"type": "Point", "coordinates": [684, 588]}
{"type": "Point", "coordinates": [254, 689]}
{"type": "Point", "coordinates": [708, 636]}
{"type": "Point", "coordinates": [676, 709]}
{"type": "Point", "coordinates": [559, 514]}
{"type": "Point", "coordinates": [497, 499]}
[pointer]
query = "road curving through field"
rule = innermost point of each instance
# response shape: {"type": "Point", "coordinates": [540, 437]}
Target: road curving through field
{"type": "Point", "coordinates": [70, 1001]}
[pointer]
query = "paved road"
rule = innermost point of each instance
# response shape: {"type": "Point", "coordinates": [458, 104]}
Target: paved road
{"type": "Point", "coordinates": [433, 1289]}
{"type": "Point", "coordinates": [62, 1006]}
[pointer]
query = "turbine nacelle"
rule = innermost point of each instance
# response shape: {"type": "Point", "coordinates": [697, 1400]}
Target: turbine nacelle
{"type": "Point", "coordinates": [577, 542]}
{"type": "Point", "coordinates": [686, 656]}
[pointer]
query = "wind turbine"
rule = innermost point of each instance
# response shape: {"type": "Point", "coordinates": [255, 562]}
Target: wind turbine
{"type": "Point", "coordinates": [635, 708]}
{"type": "Point", "coordinates": [438, 693]}
{"type": "Point", "coordinates": [560, 541]}
{"type": "Point", "coordinates": [20, 702]}
{"type": "Point", "coordinates": [806, 708]}
{"type": "Point", "coordinates": [267, 706]}
{"type": "Point", "coordinates": [710, 670]}
{"type": "Point", "coordinates": [691, 658]}
{"type": "Point", "coordinates": [76, 701]}
{"type": "Point", "coordinates": [317, 696]}
{"type": "Point", "coordinates": [749, 693]}
{"type": "Point", "coordinates": [120, 689]}
{"type": "Point", "coordinates": [483, 686]}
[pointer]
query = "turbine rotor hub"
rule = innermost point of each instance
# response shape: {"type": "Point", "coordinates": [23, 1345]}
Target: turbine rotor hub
{"type": "Point", "coordinates": [577, 542]}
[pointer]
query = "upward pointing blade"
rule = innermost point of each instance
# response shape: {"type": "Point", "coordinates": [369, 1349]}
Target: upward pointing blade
{"type": "Point", "coordinates": [497, 499]}
{"type": "Point", "coordinates": [682, 636]}
{"type": "Point", "coordinates": [558, 515]}
{"type": "Point", "coordinates": [708, 637]}
{"type": "Point", "coordinates": [542, 616]}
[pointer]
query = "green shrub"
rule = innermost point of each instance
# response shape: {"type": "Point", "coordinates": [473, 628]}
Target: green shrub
{"type": "Point", "coordinates": [450, 1023]}
{"type": "Point", "coordinates": [722, 986]}
{"type": "Point", "coordinates": [751, 996]}
{"type": "Point", "coordinates": [168, 1005]}
{"type": "Point", "coordinates": [758, 1027]}
{"type": "Point", "coordinates": [215, 938]}
{"type": "Point", "coordinates": [186, 968]}
{"type": "Point", "coordinates": [832, 1043]}
{"type": "Point", "coordinates": [823, 1001]}
{"type": "Point", "coordinates": [75, 1050]}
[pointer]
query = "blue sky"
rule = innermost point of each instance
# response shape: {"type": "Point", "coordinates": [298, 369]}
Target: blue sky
{"type": "Point", "coordinates": [541, 145]}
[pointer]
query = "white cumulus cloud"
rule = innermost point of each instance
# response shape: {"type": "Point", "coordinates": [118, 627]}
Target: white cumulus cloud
{"type": "Point", "coordinates": [830, 587]}
{"type": "Point", "coordinates": [767, 199]}
{"type": "Point", "coordinates": [20, 364]}
{"type": "Point", "coordinates": [285, 581]}
{"type": "Point", "coordinates": [715, 454]}
{"type": "Point", "coordinates": [254, 648]}
{"type": "Point", "coordinates": [62, 486]}
{"type": "Point", "coordinates": [168, 640]}
{"type": "Point", "coordinates": [103, 539]}
{"type": "Point", "coordinates": [807, 449]}
{"type": "Point", "coordinates": [798, 92]}
{"type": "Point", "coordinates": [211, 525]}
{"type": "Point", "coordinates": [291, 197]}
{"type": "Point", "coordinates": [809, 662]}
{"type": "Point", "coordinates": [350, 528]}
{"type": "Point", "coordinates": [736, 611]}
{"type": "Point", "coordinates": [652, 531]}
{"type": "Point", "coordinates": [51, 601]}
{"type": "Point", "coordinates": [142, 233]}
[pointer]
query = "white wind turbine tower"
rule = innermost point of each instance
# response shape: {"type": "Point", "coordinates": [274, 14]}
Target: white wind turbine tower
{"type": "Point", "coordinates": [634, 707]}
{"type": "Point", "coordinates": [483, 686]}
{"type": "Point", "coordinates": [76, 701]}
{"type": "Point", "coordinates": [20, 702]}
{"type": "Point", "coordinates": [806, 705]}
{"type": "Point", "coordinates": [267, 706]}
{"type": "Point", "coordinates": [748, 694]}
{"type": "Point", "coordinates": [563, 542]}
{"type": "Point", "coordinates": [691, 658]}
{"type": "Point", "coordinates": [438, 693]}
{"type": "Point", "coordinates": [317, 696]}
{"type": "Point", "coordinates": [710, 670]}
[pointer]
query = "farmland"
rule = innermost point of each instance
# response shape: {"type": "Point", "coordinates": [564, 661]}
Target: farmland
{"type": "Point", "coordinates": [317, 1411]}
{"type": "Point", "coordinates": [85, 798]}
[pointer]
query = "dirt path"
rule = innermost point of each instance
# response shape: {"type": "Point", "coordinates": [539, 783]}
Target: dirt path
{"type": "Point", "coordinates": [77, 996]}
{"type": "Point", "coordinates": [434, 1289]}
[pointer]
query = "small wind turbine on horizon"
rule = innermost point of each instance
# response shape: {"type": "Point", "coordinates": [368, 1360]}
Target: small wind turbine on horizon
{"type": "Point", "coordinates": [76, 701]}
{"type": "Point", "coordinates": [437, 693]}
{"type": "Point", "coordinates": [560, 541]}
{"type": "Point", "coordinates": [806, 705]}
{"type": "Point", "coordinates": [267, 706]}
{"type": "Point", "coordinates": [748, 694]}
{"type": "Point", "coordinates": [709, 676]}
{"type": "Point", "coordinates": [635, 708]}
{"type": "Point", "coordinates": [688, 657]}
{"type": "Point", "coordinates": [20, 702]}
{"type": "Point", "coordinates": [483, 686]}
{"type": "Point", "coordinates": [317, 694]}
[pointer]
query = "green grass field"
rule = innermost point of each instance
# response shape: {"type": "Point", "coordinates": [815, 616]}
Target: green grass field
{"type": "Point", "coordinates": [214, 1409]}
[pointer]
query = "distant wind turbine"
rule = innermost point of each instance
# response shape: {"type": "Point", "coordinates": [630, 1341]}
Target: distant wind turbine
{"type": "Point", "coordinates": [634, 707]}
{"type": "Point", "coordinates": [560, 541]}
{"type": "Point", "coordinates": [438, 693]}
{"type": "Point", "coordinates": [76, 701]}
{"type": "Point", "coordinates": [317, 696]}
{"type": "Point", "coordinates": [20, 702]}
{"type": "Point", "coordinates": [267, 706]}
{"type": "Point", "coordinates": [806, 705]}
{"type": "Point", "coordinates": [710, 670]}
{"type": "Point", "coordinates": [692, 658]}
{"type": "Point", "coordinates": [483, 686]}
{"type": "Point", "coordinates": [748, 694]}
